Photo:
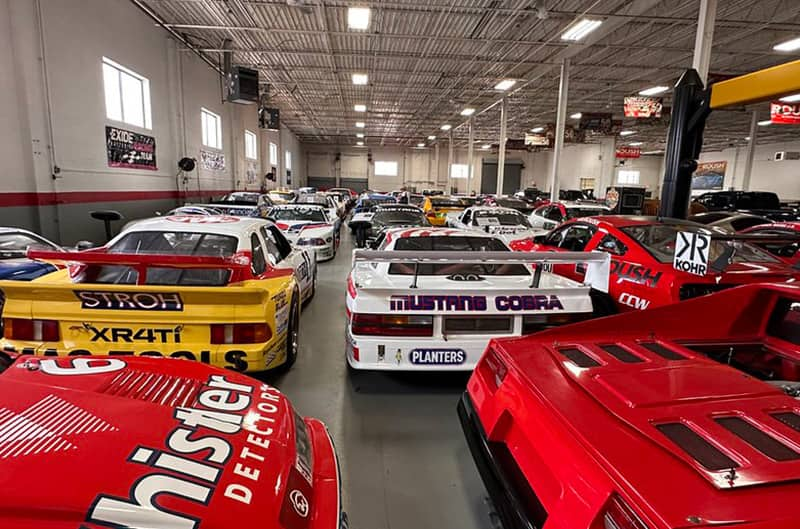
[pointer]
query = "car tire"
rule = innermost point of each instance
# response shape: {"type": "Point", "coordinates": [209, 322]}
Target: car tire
{"type": "Point", "coordinates": [292, 332]}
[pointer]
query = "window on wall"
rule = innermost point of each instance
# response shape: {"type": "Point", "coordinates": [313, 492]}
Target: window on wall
{"type": "Point", "coordinates": [459, 170]}
{"type": "Point", "coordinates": [212, 129]}
{"type": "Point", "coordinates": [127, 95]}
{"type": "Point", "coordinates": [587, 183]}
{"type": "Point", "coordinates": [250, 145]}
{"type": "Point", "coordinates": [385, 168]}
{"type": "Point", "coordinates": [273, 154]}
{"type": "Point", "coordinates": [627, 177]}
{"type": "Point", "coordinates": [288, 158]}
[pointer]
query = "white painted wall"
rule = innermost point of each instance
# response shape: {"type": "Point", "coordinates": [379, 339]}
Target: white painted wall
{"type": "Point", "coordinates": [782, 177]}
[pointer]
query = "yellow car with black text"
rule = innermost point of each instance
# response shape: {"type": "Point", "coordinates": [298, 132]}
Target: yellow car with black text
{"type": "Point", "coordinates": [218, 289]}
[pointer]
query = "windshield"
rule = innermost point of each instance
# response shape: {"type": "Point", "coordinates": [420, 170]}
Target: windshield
{"type": "Point", "coordinates": [462, 203]}
{"type": "Point", "coordinates": [313, 199]}
{"type": "Point", "coordinates": [459, 244]}
{"type": "Point", "coordinates": [241, 197]}
{"type": "Point", "coordinates": [659, 241]}
{"type": "Point", "coordinates": [281, 195]}
{"type": "Point", "coordinates": [576, 213]}
{"type": "Point", "coordinates": [406, 217]}
{"type": "Point", "coordinates": [15, 245]}
{"type": "Point", "coordinates": [511, 203]}
{"type": "Point", "coordinates": [504, 218]}
{"type": "Point", "coordinates": [175, 243]}
{"type": "Point", "coordinates": [309, 214]}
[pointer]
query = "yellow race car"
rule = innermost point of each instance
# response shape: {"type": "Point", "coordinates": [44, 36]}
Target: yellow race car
{"type": "Point", "coordinates": [217, 289]}
{"type": "Point", "coordinates": [436, 208]}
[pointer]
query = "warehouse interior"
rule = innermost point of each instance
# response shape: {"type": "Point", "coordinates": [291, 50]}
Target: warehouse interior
{"type": "Point", "coordinates": [398, 95]}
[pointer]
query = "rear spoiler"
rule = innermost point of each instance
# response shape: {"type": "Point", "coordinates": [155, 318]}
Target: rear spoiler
{"type": "Point", "coordinates": [597, 270]}
{"type": "Point", "coordinates": [142, 260]}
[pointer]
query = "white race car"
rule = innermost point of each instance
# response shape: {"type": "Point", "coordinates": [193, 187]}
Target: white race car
{"type": "Point", "coordinates": [551, 215]}
{"type": "Point", "coordinates": [508, 224]}
{"type": "Point", "coordinates": [431, 299]}
{"type": "Point", "coordinates": [307, 226]}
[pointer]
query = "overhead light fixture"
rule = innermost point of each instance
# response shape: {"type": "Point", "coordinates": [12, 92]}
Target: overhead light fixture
{"type": "Point", "coordinates": [627, 132]}
{"type": "Point", "coordinates": [360, 78]}
{"type": "Point", "coordinates": [467, 111]}
{"type": "Point", "coordinates": [645, 153]}
{"type": "Point", "coordinates": [537, 129]}
{"type": "Point", "coordinates": [764, 123]}
{"type": "Point", "coordinates": [359, 134]}
{"type": "Point", "coordinates": [421, 145]}
{"type": "Point", "coordinates": [446, 127]}
{"type": "Point", "coordinates": [791, 99]}
{"type": "Point", "coordinates": [360, 124]}
{"type": "Point", "coordinates": [576, 115]}
{"type": "Point", "coordinates": [635, 143]}
{"type": "Point", "coordinates": [358, 17]}
{"type": "Point", "coordinates": [580, 29]}
{"type": "Point", "coordinates": [654, 91]}
{"type": "Point", "coordinates": [789, 45]}
{"type": "Point", "coordinates": [360, 143]}
{"type": "Point", "coordinates": [747, 138]}
{"type": "Point", "coordinates": [431, 137]}
{"type": "Point", "coordinates": [360, 108]}
{"type": "Point", "coordinates": [505, 84]}
{"type": "Point", "coordinates": [486, 147]}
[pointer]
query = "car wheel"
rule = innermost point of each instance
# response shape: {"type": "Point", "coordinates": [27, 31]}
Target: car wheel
{"type": "Point", "coordinates": [292, 333]}
{"type": "Point", "coordinates": [313, 286]}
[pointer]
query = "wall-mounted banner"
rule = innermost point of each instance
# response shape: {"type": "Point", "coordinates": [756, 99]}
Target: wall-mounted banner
{"type": "Point", "coordinates": [642, 107]}
{"type": "Point", "coordinates": [130, 149]}
{"type": "Point", "coordinates": [624, 151]}
{"type": "Point", "coordinates": [709, 175]}
{"type": "Point", "coordinates": [213, 161]}
{"type": "Point", "coordinates": [538, 140]}
{"type": "Point", "coordinates": [597, 122]}
{"type": "Point", "coordinates": [251, 171]}
{"type": "Point", "coordinates": [784, 113]}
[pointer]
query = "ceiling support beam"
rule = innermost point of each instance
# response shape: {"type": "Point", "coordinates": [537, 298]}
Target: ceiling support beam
{"type": "Point", "coordinates": [704, 38]}
{"type": "Point", "coordinates": [501, 152]}
{"type": "Point", "coordinates": [561, 118]}
{"type": "Point", "coordinates": [751, 151]}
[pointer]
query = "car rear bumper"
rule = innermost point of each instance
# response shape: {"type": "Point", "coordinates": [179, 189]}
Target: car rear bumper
{"type": "Point", "coordinates": [504, 489]}
{"type": "Point", "coordinates": [327, 480]}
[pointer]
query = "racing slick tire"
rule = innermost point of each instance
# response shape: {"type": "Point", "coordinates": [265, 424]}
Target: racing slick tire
{"type": "Point", "coordinates": [603, 304]}
{"type": "Point", "coordinates": [292, 332]}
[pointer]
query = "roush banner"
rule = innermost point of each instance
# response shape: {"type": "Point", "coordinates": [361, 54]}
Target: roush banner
{"type": "Point", "coordinates": [642, 107]}
{"type": "Point", "coordinates": [539, 140]}
{"type": "Point", "coordinates": [709, 175]}
{"type": "Point", "coordinates": [130, 149]}
{"type": "Point", "coordinates": [628, 152]}
{"type": "Point", "coordinates": [784, 113]}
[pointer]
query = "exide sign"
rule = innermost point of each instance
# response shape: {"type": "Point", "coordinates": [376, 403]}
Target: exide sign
{"type": "Point", "coordinates": [786, 113]}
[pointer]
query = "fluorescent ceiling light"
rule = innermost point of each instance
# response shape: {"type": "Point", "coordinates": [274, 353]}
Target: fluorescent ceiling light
{"type": "Point", "coordinates": [789, 45]}
{"type": "Point", "coordinates": [791, 99]}
{"type": "Point", "coordinates": [360, 143]}
{"type": "Point", "coordinates": [576, 115]}
{"type": "Point", "coordinates": [627, 132]}
{"type": "Point", "coordinates": [505, 84]}
{"type": "Point", "coordinates": [537, 129]}
{"type": "Point", "coordinates": [467, 111]}
{"type": "Point", "coordinates": [446, 127]}
{"type": "Point", "coordinates": [654, 91]}
{"type": "Point", "coordinates": [580, 29]}
{"type": "Point", "coordinates": [360, 124]}
{"type": "Point", "coordinates": [486, 147]}
{"type": "Point", "coordinates": [764, 123]}
{"type": "Point", "coordinates": [635, 143]}
{"type": "Point", "coordinates": [652, 152]}
{"type": "Point", "coordinates": [360, 108]}
{"type": "Point", "coordinates": [360, 78]}
{"type": "Point", "coordinates": [747, 138]}
{"type": "Point", "coordinates": [359, 134]}
{"type": "Point", "coordinates": [358, 17]}
{"type": "Point", "coordinates": [421, 145]}
{"type": "Point", "coordinates": [431, 137]}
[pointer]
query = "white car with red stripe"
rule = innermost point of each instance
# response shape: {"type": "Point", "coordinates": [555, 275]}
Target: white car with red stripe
{"type": "Point", "coordinates": [432, 298]}
{"type": "Point", "coordinates": [508, 224]}
{"type": "Point", "coordinates": [307, 226]}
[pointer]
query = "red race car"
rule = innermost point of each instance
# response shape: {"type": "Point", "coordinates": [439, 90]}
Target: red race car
{"type": "Point", "coordinates": [788, 250]}
{"type": "Point", "coordinates": [662, 419]}
{"type": "Point", "coordinates": [151, 443]}
{"type": "Point", "coordinates": [642, 250]}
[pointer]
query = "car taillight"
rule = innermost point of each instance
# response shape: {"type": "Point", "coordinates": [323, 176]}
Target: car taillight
{"type": "Point", "coordinates": [390, 325]}
{"type": "Point", "coordinates": [493, 368]}
{"type": "Point", "coordinates": [237, 333]}
{"type": "Point", "coordinates": [617, 515]}
{"type": "Point", "coordinates": [538, 322]}
{"type": "Point", "coordinates": [351, 287]}
{"type": "Point", "coordinates": [34, 330]}
{"type": "Point", "coordinates": [431, 214]}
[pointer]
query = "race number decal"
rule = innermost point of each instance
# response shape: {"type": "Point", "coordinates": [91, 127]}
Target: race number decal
{"type": "Point", "coordinates": [82, 366]}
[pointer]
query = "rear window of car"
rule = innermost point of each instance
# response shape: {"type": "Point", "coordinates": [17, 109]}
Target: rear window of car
{"type": "Point", "coordinates": [176, 243]}
{"type": "Point", "coordinates": [155, 275]}
{"type": "Point", "coordinates": [451, 202]}
{"type": "Point", "coordinates": [659, 241]}
{"type": "Point", "coordinates": [310, 214]}
{"type": "Point", "coordinates": [14, 245]}
{"type": "Point", "coordinates": [399, 216]}
{"type": "Point", "coordinates": [241, 197]}
{"type": "Point", "coordinates": [504, 218]}
{"type": "Point", "coordinates": [460, 244]}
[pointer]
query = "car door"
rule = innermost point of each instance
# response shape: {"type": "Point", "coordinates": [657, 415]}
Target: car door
{"type": "Point", "coordinates": [462, 222]}
{"type": "Point", "coordinates": [537, 218]}
{"type": "Point", "coordinates": [281, 254]}
{"type": "Point", "coordinates": [574, 237]}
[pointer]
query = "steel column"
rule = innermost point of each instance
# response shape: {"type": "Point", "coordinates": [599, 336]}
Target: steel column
{"type": "Point", "coordinates": [704, 38]}
{"type": "Point", "coordinates": [501, 153]}
{"type": "Point", "coordinates": [449, 161]}
{"type": "Point", "coordinates": [561, 118]}
{"type": "Point", "coordinates": [751, 151]}
{"type": "Point", "coordinates": [470, 154]}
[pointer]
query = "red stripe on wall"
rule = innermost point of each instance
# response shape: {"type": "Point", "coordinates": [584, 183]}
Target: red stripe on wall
{"type": "Point", "coordinates": [85, 197]}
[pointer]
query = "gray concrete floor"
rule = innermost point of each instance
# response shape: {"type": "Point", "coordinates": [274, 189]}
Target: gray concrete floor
{"type": "Point", "coordinates": [405, 464]}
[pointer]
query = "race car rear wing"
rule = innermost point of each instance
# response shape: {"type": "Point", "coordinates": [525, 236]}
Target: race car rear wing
{"type": "Point", "coordinates": [598, 264]}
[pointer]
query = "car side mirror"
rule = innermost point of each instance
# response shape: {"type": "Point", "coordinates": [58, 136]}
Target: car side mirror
{"type": "Point", "coordinates": [84, 245]}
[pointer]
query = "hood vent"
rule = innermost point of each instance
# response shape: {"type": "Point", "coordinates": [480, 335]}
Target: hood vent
{"type": "Point", "coordinates": [621, 354]}
{"type": "Point", "coordinates": [701, 450]}
{"type": "Point", "coordinates": [579, 358]}
{"type": "Point", "coordinates": [766, 444]}
{"type": "Point", "coordinates": [789, 418]}
{"type": "Point", "coordinates": [663, 352]}
{"type": "Point", "coordinates": [167, 390]}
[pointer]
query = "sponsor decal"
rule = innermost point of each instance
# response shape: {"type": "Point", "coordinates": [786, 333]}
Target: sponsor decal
{"type": "Point", "coordinates": [437, 356]}
{"type": "Point", "coordinates": [202, 219]}
{"type": "Point", "coordinates": [528, 302]}
{"type": "Point", "coordinates": [233, 359]}
{"type": "Point", "coordinates": [107, 300]}
{"type": "Point", "coordinates": [130, 150]}
{"type": "Point", "coordinates": [299, 503]}
{"type": "Point", "coordinates": [124, 334]}
{"type": "Point", "coordinates": [633, 301]}
{"type": "Point", "coordinates": [195, 456]}
{"type": "Point", "coordinates": [474, 303]}
{"type": "Point", "coordinates": [691, 252]}
{"type": "Point", "coordinates": [635, 273]}
{"type": "Point", "coordinates": [784, 113]}
{"type": "Point", "coordinates": [81, 366]}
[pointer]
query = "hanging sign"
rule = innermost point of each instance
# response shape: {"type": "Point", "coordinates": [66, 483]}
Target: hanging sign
{"type": "Point", "coordinates": [642, 107]}
{"type": "Point", "coordinates": [784, 113]}
{"type": "Point", "coordinates": [624, 151]}
{"type": "Point", "coordinates": [538, 140]}
{"type": "Point", "coordinates": [597, 122]}
{"type": "Point", "coordinates": [130, 149]}
{"type": "Point", "coordinates": [213, 161]}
